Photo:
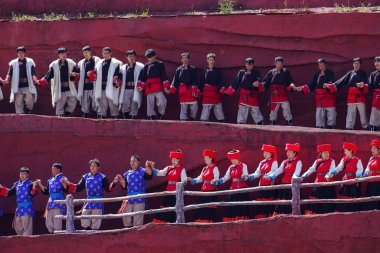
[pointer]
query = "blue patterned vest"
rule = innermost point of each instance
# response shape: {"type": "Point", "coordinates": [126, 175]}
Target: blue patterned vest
{"type": "Point", "coordinates": [56, 192]}
{"type": "Point", "coordinates": [94, 189]}
{"type": "Point", "coordinates": [24, 198]}
{"type": "Point", "coordinates": [136, 184]}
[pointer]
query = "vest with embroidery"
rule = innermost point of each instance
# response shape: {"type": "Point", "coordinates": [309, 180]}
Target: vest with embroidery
{"type": "Point", "coordinates": [265, 168]}
{"type": "Point", "coordinates": [235, 174]}
{"type": "Point", "coordinates": [24, 198]}
{"type": "Point", "coordinates": [207, 176]}
{"type": "Point", "coordinates": [56, 192]}
{"type": "Point", "coordinates": [136, 184]}
{"type": "Point", "coordinates": [289, 169]}
{"type": "Point", "coordinates": [94, 189]}
{"type": "Point", "coordinates": [323, 168]}
{"type": "Point", "coordinates": [173, 176]}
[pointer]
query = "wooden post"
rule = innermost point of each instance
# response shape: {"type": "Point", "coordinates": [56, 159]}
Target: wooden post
{"type": "Point", "coordinates": [179, 203]}
{"type": "Point", "coordinates": [296, 196]}
{"type": "Point", "coordinates": [70, 228]}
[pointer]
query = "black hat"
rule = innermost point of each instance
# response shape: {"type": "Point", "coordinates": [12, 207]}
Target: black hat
{"type": "Point", "coordinates": [279, 58]}
{"type": "Point", "coordinates": [86, 48]}
{"type": "Point", "coordinates": [357, 59]}
{"type": "Point", "coordinates": [107, 49]}
{"type": "Point", "coordinates": [150, 53]}
{"type": "Point", "coordinates": [377, 59]}
{"type": "Point", "coordinates": [249, 60]}
{"type": "Point", "coordinates": [321, 60]}
{"type": "Point", "coordinates": [24, 169]}
{"type": "Point", "coordinates": [62, 50]}
{"type": "Point", "coordinates": [21, 49]}
{"type": "Point", "coordinates": [131, 52]}
{"type": "Point", "coordinates": [57, 165]}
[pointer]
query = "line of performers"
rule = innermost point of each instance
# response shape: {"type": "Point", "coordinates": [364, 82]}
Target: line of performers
{"type": "Point", "coordinates": [237, 176]}
{"type": "Point", "coordinates": [107, 83]}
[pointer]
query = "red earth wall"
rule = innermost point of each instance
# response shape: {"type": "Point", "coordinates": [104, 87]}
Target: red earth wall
{"type": "Point", "coordinates": [39, 7]}
{"type": "Point", "coordinates": [300, 39]}
{"type": "Point", "coordinates": [326, 233]}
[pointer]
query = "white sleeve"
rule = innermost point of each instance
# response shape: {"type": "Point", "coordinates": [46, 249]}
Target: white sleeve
{"type": "Point", "coordinates": [257, 173]}
{"type": "Point", "coordinates": [245, 170]}
{"type": "Point", "coordinates": [163, 172]}
{"type": "Point", "coordinates": [279, 170]}
{"type": "Point", "coordinates": [183, 175]}
{"type": "Point", "coordinates": [298, 169]}
{"type": "Point", "coordinates": [368, 169]}
{"type": "Point", "coordinates": [216, 173]}
{"type": "Point", "coordinates": [227, 176]}
{"type": "Point", "coordinates": [332, 166]}
{"type": "Point", "coordinates": [359, 167]}
{"type": "Point", "coordinates": [313, 168]}
{"type": "Point", "coordinates": [199, 179]}
{"type": "Point", "coordinates": [274, 166]}
{"type": "Point", "coordinates": [340, 166]}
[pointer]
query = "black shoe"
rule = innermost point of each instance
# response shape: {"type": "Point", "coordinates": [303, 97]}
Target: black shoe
{"type": "Point", "coordinates": [60, 115]}
{"type": "Point", "coordinates": [290, 123]}
{"type": "Point", "coordinates": [331, 127]}
{"type": "Point", "coordinates": [126, 115]}
{"type": "Point", "coordinates": [84, 115]}
{"type": "Point", "coordinates": [133, 117]}
{"type": "Point", "coordinates": [260, 123]}
{"type": "Point", "coordinates": [272, 122]}
{"type": "Point", "coordinates": [67, 114]}
{"type": "Point", "coordinates": [349, 128]}
{"type": "Point", "coordinates": [99, 116]}
{"type": "Point", "coordinates": [27, 111]}
{"type": "Point", "coordinates": [221, 121]}
{"type": "Point", "coordinates": [151, 117]}
{"type": "Point", "coordinates": [114, 117]}
{"type": "Point", "coordinates": [241, 123]}
{"type": "Point", "coordinates": [160, 116]}
{"type": "Point", "coordinates": [192, 119]}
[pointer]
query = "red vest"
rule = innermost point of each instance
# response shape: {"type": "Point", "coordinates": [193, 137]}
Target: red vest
{"type": "Point", "coordinates": [324, 98]}
{"type": "Point", "coordinates": [355, 95]}
{"type": "Point", "coordinates": [350, 167]}
{"type": "Point", "coordinates": [208, 175]}
{"type": "Point", "coordinates": [153, 85]}
{"type": "Point", "coordinates": [235, 174]}
{"type": "Point", "coordinates": [323, 168]}
{"type": "Point", "coordinates": [249, 97]}
{"type": "Point", "coordinates": [265, 167]}
{"type": "Point", "coordinates": [289, 170]}
{"type": "Point", "coordinates": [278, 93]}
{"type": "Point", "coordinates": [376, 99]}
{"type": "Point", "coordinates": [374, 167]}
{"type": "Point", "coordinates": [211, 96]}
{"type": "Point", "coordinates": [186, 94]}
{"type": "Point", "coordinates": [173, 176]}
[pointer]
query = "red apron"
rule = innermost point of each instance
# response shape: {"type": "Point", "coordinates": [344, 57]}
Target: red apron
{"type": "Point", "coordinates": [186, 94]}
{"type": "Point", "coordinates": [356, 96]}
{"type": "Point", "coordinates": [211, 95]}
{"type": "Point", "coordinates": [376, 99]}
{"type": "Point", "coordinates": [249, 97]}
{"type": "Point", "coordinates": [324, 98]}
{"type": "Point", "coordinates": [154, 85]}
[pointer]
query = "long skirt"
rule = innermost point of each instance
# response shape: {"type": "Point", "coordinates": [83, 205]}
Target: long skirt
{"type": "Point", "coordinates": [284, 194]}
{"type": "Point", "coordinates": [167, 217]}
{"type": "Point", "coordinates": [373, 189]}
{"type": "Point", "coordinates": [327, 192]}
{"type": "Point", "coordinates": [349, 192]}
{"type": "Point", "coordinates": [234, 213]}
{"type": "Point", "coordinates": [208, 214]}
{"type": "Point", "coordinates": [265, 210]}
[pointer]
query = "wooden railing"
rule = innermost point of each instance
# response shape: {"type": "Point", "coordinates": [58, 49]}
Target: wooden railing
{"type": "Point", "coordinates": [180, 207]}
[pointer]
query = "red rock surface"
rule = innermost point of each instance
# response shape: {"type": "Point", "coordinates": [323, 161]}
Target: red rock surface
{"type": "Point", "coordinates": [329, 233]}
{"type": "Point", "coordinates": [301, 39]}
{"type": "Point", "coordinates": [157, 6]}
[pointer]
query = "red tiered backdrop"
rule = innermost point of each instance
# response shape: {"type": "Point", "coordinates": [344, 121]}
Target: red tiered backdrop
{"type": "Point", "coordinates": [300, 39]}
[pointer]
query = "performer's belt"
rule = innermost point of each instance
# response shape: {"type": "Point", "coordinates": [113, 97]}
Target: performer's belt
{"type": "Point", "coordinates": [135, 193]}
{"type": "Point", "coordinates": [207, 181]}
{"type": "Point", "coordinates": [65, 84]}
{"type": "Point", "coordinates": [236, 179]}
{"type": "Point", "coordinates": [375, 171]}
{"type": "Point", "coordinates": [23, 80]}
{"type": "Point", "coordinates": [88, 81]}
{"type": "Point", "coordinates": [289, 175]}
{"type": "Point", "coordinates": [321, 173]}
{"type": "Point", "coordinates": [24, 204]}
{"type": "Point", "coordinates": [57, 195]}
{"type": "Point", "coordinates": [94, 197]}
{"type": "Point", "coordinates": [172, 182]}
{"type": "Point", "coordinates": [350, 174]}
